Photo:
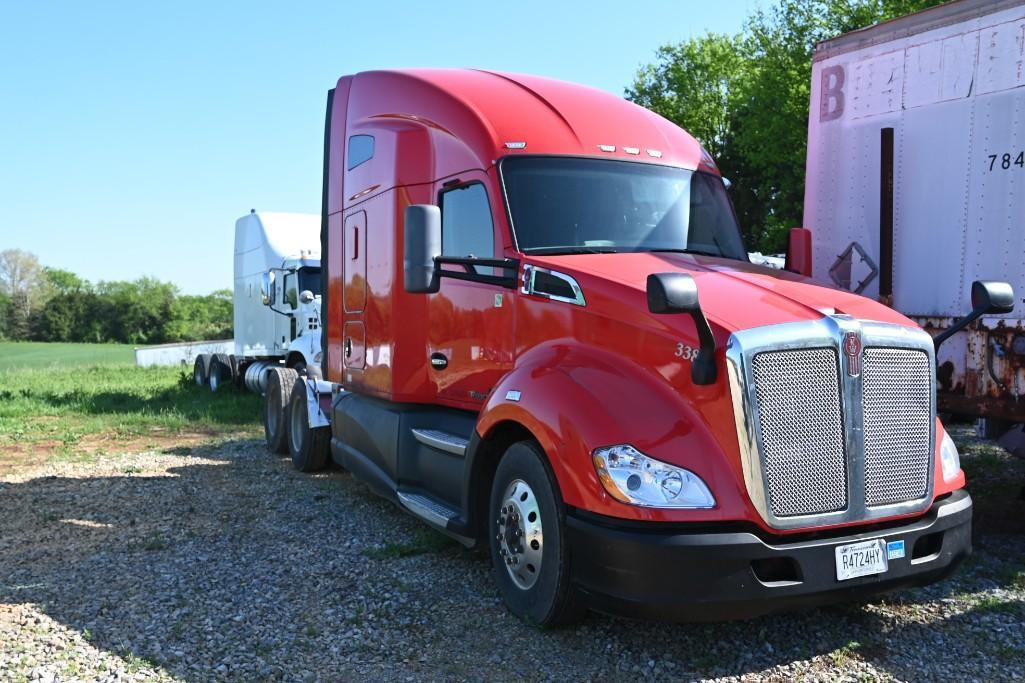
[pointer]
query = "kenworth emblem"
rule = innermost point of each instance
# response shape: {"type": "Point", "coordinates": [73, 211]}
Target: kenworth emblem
{"type": "Point", "coordinates": [852, 349]}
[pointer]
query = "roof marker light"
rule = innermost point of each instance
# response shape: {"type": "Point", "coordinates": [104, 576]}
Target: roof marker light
{"type": "Point", "coordinates": [655, 153]}
{"type": "Point", "coordinates": [607, 148]}
{"type": "Point", "coordinates": [515, 145]}
{"type": "Point", "coordinates": [631, 150]}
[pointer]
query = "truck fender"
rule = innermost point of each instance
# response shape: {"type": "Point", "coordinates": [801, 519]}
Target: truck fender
{"type": "Point", "coordinates": [308, 346]}
{"type": "Point", "coordinates": [574, 399]}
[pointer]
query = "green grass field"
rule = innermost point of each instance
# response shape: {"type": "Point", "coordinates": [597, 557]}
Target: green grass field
{"type": "Point", "coordinates": [81, 400]}
{"type": "Point", "coordinates": [18, 355]}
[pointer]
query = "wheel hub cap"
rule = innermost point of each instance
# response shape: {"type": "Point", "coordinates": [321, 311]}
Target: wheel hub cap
{"type": "Point", "coordinates": [520, 541]}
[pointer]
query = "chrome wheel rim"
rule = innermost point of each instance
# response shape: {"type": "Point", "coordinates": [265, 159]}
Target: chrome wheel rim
{"type": "Point", "coordinates": [520, 537]}
{"type": "Point", "coordinates": [197, 375]}
{"type": "Point", "coordinates": [214, 382]}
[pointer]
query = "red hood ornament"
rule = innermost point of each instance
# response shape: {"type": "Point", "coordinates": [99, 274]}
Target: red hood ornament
{"type": "Point", "coordinates": [852, 349]}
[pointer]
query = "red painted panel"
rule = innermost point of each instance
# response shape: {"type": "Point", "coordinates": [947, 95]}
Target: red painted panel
{"type": "Point", "coordinates": [354, 261]}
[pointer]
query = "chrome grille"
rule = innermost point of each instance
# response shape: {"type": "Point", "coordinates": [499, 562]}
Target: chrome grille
{"type": "Point", "coordinates": [897, 405]}
{"type": "Point", "coordinates": [801, 426]}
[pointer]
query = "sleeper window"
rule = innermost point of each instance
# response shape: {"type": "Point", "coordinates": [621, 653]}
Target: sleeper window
{"type": "Point", "coordinates": [361, 149]}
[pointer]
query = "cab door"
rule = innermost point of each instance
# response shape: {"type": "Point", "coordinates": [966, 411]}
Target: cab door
{"type": "Point", "coordinates": [470, 337]}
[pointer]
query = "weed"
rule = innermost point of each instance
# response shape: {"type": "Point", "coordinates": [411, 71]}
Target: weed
{"type": "Point", "coordinates": [155, 542]}
{"type": "Point", "coordinates": [135, 663]}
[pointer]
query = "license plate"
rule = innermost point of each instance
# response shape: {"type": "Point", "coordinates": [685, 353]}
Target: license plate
{"type": "Point", "coordinates": [861, 559]}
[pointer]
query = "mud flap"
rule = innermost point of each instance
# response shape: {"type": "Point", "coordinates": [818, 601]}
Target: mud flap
{"type": "Point", "coordinates": [315, 389]}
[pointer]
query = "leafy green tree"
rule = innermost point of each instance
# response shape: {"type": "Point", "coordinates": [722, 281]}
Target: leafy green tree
{"type": "Point", "coordinates": [5, 313]}
{"type": "Point", "coordinates": [761, 82]}
{"type": "Point", "coordinates": [203, 317]}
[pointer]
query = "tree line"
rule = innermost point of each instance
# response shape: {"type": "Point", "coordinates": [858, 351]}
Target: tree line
{"type": "Point", "coordinates": [38, 303]}
{"type": "Point", "coordinates": [746, 97]}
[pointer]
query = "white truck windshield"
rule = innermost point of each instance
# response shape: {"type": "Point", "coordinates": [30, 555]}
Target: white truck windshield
{"type": "Point", "coordinates": [563, 205]}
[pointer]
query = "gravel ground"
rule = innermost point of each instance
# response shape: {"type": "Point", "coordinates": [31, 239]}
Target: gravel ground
{"type": "Point", "coordinates": [221, 562]}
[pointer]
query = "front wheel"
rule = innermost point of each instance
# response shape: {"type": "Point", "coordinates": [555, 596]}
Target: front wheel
{"type": "Point", "coordinates": [528, 541]}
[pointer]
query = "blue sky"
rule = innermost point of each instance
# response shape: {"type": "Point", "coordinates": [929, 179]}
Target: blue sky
{"type": "Point", "coordinates": [133, 134]}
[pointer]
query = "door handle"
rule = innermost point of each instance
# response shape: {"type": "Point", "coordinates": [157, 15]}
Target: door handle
{"type": "Point", "coordinates": [348, 347]}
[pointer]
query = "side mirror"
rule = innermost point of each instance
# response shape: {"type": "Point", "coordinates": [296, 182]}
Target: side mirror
{"type": "Point", "coordinates": [305, 296]}
{"type": "Point", "coordinates": [421, 245]}
{"type": "Point", "coordinates": [987, 297]}
{"type": "Point", "coordinates": [678, 293]}
{"type": "Point", "coordinates": [267, 287]}
{"type": "Point", "coordinates": [799, 252]}
{"type": "Point", "coordinates": [992, 297]}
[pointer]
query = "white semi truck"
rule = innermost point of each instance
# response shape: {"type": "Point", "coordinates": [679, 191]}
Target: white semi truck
{"type": "Point", "coordinates": [277, 299]}
{"type": "Point", "coordinates": [916, 184]}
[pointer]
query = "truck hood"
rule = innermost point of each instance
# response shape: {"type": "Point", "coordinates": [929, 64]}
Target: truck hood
{"type": "Point", "coordinates": [734, 295]}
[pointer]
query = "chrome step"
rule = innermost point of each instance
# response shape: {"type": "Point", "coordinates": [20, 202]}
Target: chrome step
{"type": "Point", "coordinates": [443, 441]}
{"type": "Point", "coordinates": [435, 513]}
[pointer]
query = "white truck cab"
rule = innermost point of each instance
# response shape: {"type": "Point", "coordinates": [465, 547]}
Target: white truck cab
{"type": "Point", "coordinates": [277, 299]}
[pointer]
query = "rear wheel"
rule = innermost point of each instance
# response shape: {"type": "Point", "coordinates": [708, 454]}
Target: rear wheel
{"type": "Point", "coordinates": [275, 424]}
{"type": "Point", "coordinates": [220, 371]}
{"type": "Point", "coordinates": [528, 540]}
{"type": "Point", "coordinates": [199, 370]}
{"type": "Point", "coordinates": [308, 446]}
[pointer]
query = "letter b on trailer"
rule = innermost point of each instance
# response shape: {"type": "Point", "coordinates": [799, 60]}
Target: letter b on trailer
{"type": "Point", "coordinates": [831, 97]}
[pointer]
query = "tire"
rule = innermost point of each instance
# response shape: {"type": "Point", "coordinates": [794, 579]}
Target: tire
{"type": "Point", "coordinates": [524, 486]}
{"type": "Point", "coordinates": [220, 371]}
{"type": "Point", "coordinates": [199, 370]}
{"type": "Point", "coordinates": [275, 422]}
{"type": "Point", "coordinates": [308, 447]}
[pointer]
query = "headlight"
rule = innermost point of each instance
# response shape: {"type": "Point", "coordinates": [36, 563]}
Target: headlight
{"type": "Point", "coordinates": [632, 477]}
{"type": "Point", "coordinates": [317, 356]}
{"type": "Point", "coordinates": [949, 458]}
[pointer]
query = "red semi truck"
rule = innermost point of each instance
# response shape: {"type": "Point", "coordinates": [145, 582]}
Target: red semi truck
{"type": "Point", "coordinates": [544, 338]}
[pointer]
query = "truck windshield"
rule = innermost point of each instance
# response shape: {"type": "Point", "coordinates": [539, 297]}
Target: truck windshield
{"type": "Point", "coordinates": [562, 205]}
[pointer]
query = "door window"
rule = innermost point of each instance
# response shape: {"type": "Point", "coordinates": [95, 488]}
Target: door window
{"type": "Point", "coordinates": [291, 291]}
{"type": "Point", "coordinates": [466, 225]}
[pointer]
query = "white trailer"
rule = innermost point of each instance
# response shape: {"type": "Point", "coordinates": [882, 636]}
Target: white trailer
{"type": "Point", "coordinates": [182, 353]}
{"type": "Point", "coordinates": [276, 302]}
{"type": "Point", "coordinates": [916, 182]}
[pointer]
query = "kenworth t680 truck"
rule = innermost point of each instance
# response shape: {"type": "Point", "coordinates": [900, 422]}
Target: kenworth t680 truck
{"type": "Point", "coordinates": [544, 338]}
